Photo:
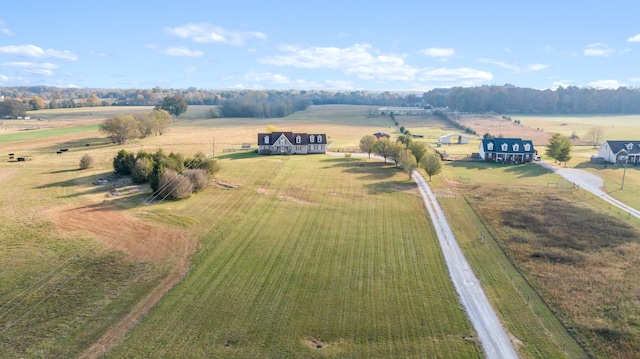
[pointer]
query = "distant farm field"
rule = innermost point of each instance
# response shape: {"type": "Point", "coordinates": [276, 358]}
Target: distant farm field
{"type": "Point", "coordinates": [302, 256]}
{"type": "Point", "coordinates": [339, 262]}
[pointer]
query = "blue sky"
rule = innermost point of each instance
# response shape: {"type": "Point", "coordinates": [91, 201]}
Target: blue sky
{"type": "Point", "coordinates": [333, 45]}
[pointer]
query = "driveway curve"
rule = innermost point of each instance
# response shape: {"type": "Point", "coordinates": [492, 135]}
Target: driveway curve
{"type": "Point", "coordinates": [493, 338]}
{"type": "Point", "coordinates": [590, 182]}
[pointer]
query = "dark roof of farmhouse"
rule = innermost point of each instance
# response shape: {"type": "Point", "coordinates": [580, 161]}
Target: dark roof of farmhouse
{"type": "Point", "coordinates": [617, 146]}
{"type": "Point", "coordinates": [510, 142]}
{"type": "Point", "coordinates": [305, 138]}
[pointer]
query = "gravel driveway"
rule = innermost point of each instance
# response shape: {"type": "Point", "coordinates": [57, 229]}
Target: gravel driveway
{"type": "Point", "coordinates": [494, 340]}
{"type": "Point", "coordinates": [590, 182]}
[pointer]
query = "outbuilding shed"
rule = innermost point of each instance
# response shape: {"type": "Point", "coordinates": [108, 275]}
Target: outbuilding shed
{"type": "Point", "coordinates": [453, 138]}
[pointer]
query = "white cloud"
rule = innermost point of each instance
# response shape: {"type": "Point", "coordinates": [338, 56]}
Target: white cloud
{"type": "Point", "coordinates": [536, 67]}
{"type": "Point", "coordinates": [356, 60]}
{"type": "Point", "coordinates": [462, 76]}
{"type": "Point", "coordinates": [598, 49]}
{"type": "Point", "coordinates": [267, 77]}
{"type": "Point", "coordinates": [4, 29]}
{"type": "Point", "coordinates": [502, 64]}
{"type": "Point", "coordinates": [97, 54]}
{"type": "Point", "coordinates": [337, 85]}
{"type": "Point", "coordinates": [438, 52]}
{"type": "Point", "coordinates": [33, 68]}
{"type": "Point", "coordinates": [190, 70]}
{"type": "Point", "coordinates": [635, 79]}
{"type": "Point", "coordinates": [634, 38]}
{"type": "Point", "coordinates": [37, 52]}
{"type": "Point", "coordinates": [207, 33]}
{"type": "Point", "coordinates": [3, 77]}
{"type": "Point", "coordinates": [515, 68]}
{"type": "Point", "coordinates": [182, 51]}
{"type": "Point", "coordinates": [605, 84]}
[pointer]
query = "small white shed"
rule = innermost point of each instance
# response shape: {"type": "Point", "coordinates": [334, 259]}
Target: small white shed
{"type": "Point", "coordinates": [453, 138]}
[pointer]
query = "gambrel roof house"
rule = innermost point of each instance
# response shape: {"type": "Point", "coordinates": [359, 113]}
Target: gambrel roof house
{"type": "Point", "coordinates": [620, 152]}
{"type": "Point", "coordinates": [292, 143]}
{"type": "Point", "coordinates": [507, 150]}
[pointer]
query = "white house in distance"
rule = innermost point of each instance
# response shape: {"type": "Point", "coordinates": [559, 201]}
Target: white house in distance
{"type": "Point", "coordinates": [506, 150]}
{"type": "Point", "coordinates": [453, 138]}
{"type": "Point", "coordinates": [620, 152]}
{"type": "Point", "coordinates": [291, 143]}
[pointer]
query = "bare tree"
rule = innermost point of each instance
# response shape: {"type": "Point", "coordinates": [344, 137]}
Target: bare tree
{"type": "Point", "coordinates": [174, 185]}
{"type": "Point", "coordinates": [595, 135]}
{"type": "Point", "coordinates": [86, 161]}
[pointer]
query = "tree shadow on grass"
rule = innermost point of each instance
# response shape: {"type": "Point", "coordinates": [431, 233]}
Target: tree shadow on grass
{"type": "Point", "coordinates": [520, 170]}
{"type": "Point", "coordinates": [374, 171]}
{"type": "Point", "coordinates": [81, 144]}
{"type": "Point", "coordinates": [72, 182]}
{"type": "Point", "coordinates": [237, 155]}
{"type": "Point", "coordinates": [526, 170]}
{"type": "Point", "coordinates": [472, 165]}
{"type": "Point", "coordinates": [65, 171]}
{"type": "Point", "coordinates": [391, 186]}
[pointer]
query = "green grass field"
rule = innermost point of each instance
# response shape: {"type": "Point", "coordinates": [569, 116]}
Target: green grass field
{"type": "Point", "coordinates": [45, 133]}
{"type": "Point", "coordinates": [309, 257]}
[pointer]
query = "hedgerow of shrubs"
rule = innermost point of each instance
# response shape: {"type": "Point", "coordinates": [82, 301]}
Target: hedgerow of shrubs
{"type": "Point", "coordinates": [169, 175]}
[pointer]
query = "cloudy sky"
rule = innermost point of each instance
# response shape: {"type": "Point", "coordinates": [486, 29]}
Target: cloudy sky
{"type": "Point", "coordinates": [339, 45]}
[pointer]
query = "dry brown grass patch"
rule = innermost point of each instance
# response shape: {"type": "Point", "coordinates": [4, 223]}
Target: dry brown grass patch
{"type": "Point", "coordinates": [582, 260]}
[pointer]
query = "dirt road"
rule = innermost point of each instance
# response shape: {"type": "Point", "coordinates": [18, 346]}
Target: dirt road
{"type": "Point", "coordinates": [494, 340]}
{"type": "Point", "coordinates": [590, 182]}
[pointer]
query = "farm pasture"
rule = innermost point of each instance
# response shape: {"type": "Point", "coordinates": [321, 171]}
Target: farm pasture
{"type": "Point", "coordinates": [299, 256]}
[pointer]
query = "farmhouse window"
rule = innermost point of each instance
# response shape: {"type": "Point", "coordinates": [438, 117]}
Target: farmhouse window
{"type": "Point", "coordinates": [319, 138]}
{"type": "Point", "coordinates": [312, 138]}
{"type": "Point", "coordinates": [282, 141]}
{"type": "Point", "coordinates": [266, 139]}
{"type": "Point", "coordinates": [630, 146]}
{"type": "Point", "coordinates": [527, 147]}
{"type": "Point", "coordinates": [298, 139]}
{"type": "Point", "coordinates": [516, 147]}
{"type": "Point", "coordinates": [490, 146]}
{"type": "Point", "coordinates": [504, 146]}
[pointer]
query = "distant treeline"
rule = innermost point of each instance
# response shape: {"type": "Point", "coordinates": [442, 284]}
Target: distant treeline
{"type": "Point", "coordinates": [506, 99]}
{"type": "Point", "coordinates": [256, 105]}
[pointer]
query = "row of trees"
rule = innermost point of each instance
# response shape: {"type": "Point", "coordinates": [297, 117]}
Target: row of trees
{"type": "Point", "coordinates": [170, 176]}
{"type": "Point", "coordinates": [122, 128]}
{"type": "Point", "coordinates": [512, 99]}
{"type": "Point", "coordinates": [260, 105]}
{"type": "Point", "coordinates": [503, 99]}
{"type": "Point", "coordinates": [405, 153]}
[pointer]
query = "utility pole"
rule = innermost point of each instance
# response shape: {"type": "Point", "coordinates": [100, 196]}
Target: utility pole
{"type": "Point", "coordinates": [213, 153]}
{"type": "Point", "coordinates": [624, 172]}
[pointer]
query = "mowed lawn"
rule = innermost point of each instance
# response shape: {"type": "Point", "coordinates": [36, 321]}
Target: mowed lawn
{"type": "Point", "coordinates": [307, 257]}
